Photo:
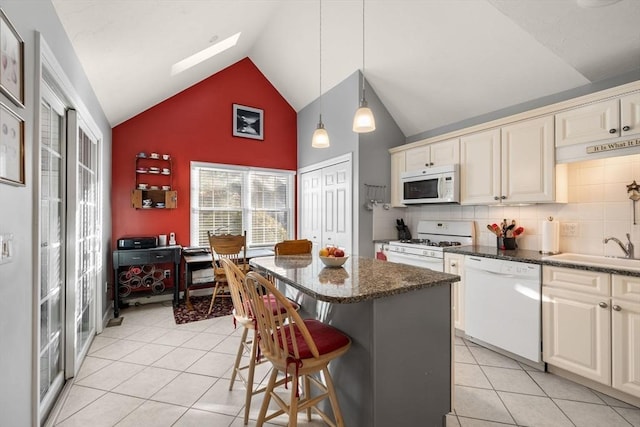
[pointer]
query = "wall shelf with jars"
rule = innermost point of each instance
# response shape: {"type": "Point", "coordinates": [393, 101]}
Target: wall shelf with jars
{"type": "Point", "coordinates": [154, 182]}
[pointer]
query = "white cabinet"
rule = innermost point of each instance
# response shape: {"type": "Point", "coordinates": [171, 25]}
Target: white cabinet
{"type": "Point", "coordinates": [454, 264]}
{"type": "Point", "coordinates": [435, 154]}
{"type": "Point", "coordinates": [325, 216]}
{"type": "Point", "coordinates": [625, 319]}
{"type": "Point", "coordinates": [599, 121]}
{"type": "Point", "coordinates": [591, 326]}
{"type": "Point", "coordinates": [398, 165]}
{"type": "Point", "coordinates": [514, 164]}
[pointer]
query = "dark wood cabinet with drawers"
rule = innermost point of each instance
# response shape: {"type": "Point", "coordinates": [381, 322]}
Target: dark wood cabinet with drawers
{"type": "Point", "coordinates": [136, 273]}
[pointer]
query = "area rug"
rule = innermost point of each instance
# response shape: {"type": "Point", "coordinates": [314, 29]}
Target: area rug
{"type": "Point", "coordinates": [221, 307]}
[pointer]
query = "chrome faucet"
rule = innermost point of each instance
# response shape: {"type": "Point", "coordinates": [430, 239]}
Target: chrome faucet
{"type": "Point", "coordinates": [627, 249]}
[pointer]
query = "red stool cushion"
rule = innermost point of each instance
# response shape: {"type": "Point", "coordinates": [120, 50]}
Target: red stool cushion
{"type": "Point", "coordinates": [327, 338]}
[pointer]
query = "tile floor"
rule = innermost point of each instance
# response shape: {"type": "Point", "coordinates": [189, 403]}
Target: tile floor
{"type": "Point", "coordinates": [151, 372]}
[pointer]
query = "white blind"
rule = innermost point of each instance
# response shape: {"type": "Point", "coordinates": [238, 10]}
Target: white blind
{"type": "Point", "coordinates": [232, 200]}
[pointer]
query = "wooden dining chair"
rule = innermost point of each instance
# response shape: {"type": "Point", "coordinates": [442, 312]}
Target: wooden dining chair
{"type": "Point", "coordinates": [296, 348]}
{"type": "Point", "coordinates": [293, 247]}
{"type": "Point", "coordinates": [231, 247]}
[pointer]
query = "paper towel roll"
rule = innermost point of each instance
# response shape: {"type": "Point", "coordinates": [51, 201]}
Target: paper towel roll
{"type": "Point", "coordinates": [550, 237]}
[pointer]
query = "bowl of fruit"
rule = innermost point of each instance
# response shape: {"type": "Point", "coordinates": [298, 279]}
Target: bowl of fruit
{"type": "Point", "coordinates": [332, 256]}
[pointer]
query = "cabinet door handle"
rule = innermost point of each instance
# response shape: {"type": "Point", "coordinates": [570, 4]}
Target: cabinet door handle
{"type": "Point", "coordinates": [603, 305]}
{"type": "Point", "coordinates": [503, 197]}
{"type": "Point", "coordinates": [496, 198]}
{"type": "Point", "coordinates": [612, 131]}
{"type": "Point", "coordinates": [616, 307]}
{"type": "Point", "coordinates": [626, 128]}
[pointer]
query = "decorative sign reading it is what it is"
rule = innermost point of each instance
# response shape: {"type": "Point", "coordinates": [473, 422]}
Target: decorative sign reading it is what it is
{"type": "Point", "coordinates": [613, 146]}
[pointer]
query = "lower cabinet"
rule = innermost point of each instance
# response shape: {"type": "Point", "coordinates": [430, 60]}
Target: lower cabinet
{"type": "Point", "coordinates": [454, 264]}
{"type": "Point", "coordinates": [591, 326]}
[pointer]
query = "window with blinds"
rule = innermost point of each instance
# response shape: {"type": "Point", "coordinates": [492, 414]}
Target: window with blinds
{"type": "Point", "coordinates": [230, 200]}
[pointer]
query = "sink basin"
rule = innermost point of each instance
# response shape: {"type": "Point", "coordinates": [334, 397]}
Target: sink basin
{"type": "Point", "coordinates": [596, 260]}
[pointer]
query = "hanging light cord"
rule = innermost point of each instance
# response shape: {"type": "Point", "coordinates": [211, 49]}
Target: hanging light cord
{"type": "Point", "coordinates": [320, 61]}
{"type": "Point", "coordinates": [362, 49]}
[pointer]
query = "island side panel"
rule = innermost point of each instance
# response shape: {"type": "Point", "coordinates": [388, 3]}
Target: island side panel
{"type": "Point", "coordinates": [412, 358]}
{"type": "Point", "coordinates": [351, 372]}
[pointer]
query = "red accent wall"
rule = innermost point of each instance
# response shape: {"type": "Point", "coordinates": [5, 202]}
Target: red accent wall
{"type": "Point", "coordinates": [196, 125]}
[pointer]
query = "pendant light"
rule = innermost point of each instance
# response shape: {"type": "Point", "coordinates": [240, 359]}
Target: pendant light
{"type": "Point", "coordinates": [363, 121]}
{"type": "Point", "coordinates": [320, 137]}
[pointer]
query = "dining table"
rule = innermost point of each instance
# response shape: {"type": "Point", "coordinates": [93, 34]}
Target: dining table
{"type": "Point", "coordinates": [398, 371]}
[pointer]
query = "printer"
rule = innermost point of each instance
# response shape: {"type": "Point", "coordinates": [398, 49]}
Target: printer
{"type": "Point", "coordinates": [137, 242]}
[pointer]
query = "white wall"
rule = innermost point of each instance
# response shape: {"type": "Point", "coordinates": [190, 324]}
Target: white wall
{"type": "Point", "coordinates": [598, 204]}
{"type": "Point", "coordinates": [18, 396]}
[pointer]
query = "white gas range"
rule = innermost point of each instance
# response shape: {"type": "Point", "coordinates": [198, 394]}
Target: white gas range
{"type": "Point", "coordinates": [432, 237]}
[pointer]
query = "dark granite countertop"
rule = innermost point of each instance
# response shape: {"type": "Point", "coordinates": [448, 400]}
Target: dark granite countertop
{"type": "Point", "coordinates": [359, 279]}
{"type": "Point", "coordinates": [534, 257]}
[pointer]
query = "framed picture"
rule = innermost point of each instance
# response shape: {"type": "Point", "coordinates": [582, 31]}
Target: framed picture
{"type": "Point", "coordinates": [11, 61]}
{"type": "Point", "coordinates": [248, 122]}
{"type": "Point", "coordinates": [11, 147]}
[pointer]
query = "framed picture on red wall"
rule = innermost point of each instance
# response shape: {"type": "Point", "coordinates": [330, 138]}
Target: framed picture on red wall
{"type": "Point", "coordinates": [248, 122]}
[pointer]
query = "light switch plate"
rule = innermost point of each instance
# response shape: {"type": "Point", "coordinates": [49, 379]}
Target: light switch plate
{"type": "Point", "coordinates": [569, 229]}
{"type": "Point", "coordinates": [6, 248]}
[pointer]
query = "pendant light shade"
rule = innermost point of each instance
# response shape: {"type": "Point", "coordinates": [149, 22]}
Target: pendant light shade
{"type": "Point", "coordinates": [320, 138]}
{"type": "Point", "coordinates": [363, 121]}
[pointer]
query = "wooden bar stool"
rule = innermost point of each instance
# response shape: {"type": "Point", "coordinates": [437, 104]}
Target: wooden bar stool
{"type": "Point", "coordinates": [293, 247]}
{"type": "Point", "coordinates": [297, 348]}
{"type": "Point", "coordinates": [231, 247]}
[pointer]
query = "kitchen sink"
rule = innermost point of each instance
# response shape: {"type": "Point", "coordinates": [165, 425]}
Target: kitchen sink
{"type": "Point", "coordinates": [596, 260]}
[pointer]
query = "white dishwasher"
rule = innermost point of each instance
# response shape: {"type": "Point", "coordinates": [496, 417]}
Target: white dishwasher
{"type": "Point", "coordinates": [502, 305]}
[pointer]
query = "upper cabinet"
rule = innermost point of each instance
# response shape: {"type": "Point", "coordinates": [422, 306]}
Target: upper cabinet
{"type": "Point", "coordinates": [436, 154]}
{"type": "Point", "coordinates": [514, 164]}
{"type": "Point", "coordinates": [398, 165]}
{"type": "Point", "coordinates": [599, 121]}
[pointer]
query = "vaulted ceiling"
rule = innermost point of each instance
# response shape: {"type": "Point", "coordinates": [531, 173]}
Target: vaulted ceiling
{"type": "Point", "coordinates": [432, 62]}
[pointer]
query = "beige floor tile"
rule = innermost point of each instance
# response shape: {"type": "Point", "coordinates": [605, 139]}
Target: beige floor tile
{"type": "Point", "coordinates": [204, 341]}
{"type": "Point", "coordinates": [229, 345]}
{"type": "Point", "coordinates": [611, 401]}
{"type": "Point", "coordinates": [481, 404]}
{"type": "Point", "coordinates": [122, 331]}
{"type": "Point", "coordinates": [198, 326]}
{"type": "Point", "coordinates": [222, 325]}
{"type": "Point", "coordinates": [591, 415]}
{"type": "Point", "coordinates": [78, 398]}
{"type": "Point", "coordinates": [536, 411]}
{"type": "Point", "coordinates": [100, 342]}
{"type": "Point", "coordinates": [106, 411]}
{"type": "Point", "coordinates": [487, 357]}
{"type": "Point", "coordinates": [212, 364]}
{"type": "Point", "coordinates": [147, 354]}
{"type": "Point", "coordinates": [470, 375]}
{"type": "Point", "coordinates": [175, 337]}
{"type": "Point", "coordinates": [513, 380]}
{"type": "Point", "coordinates": [452, 421]}
{"type": "Point", "coordinates": [472, 422]}
{"type": "Point", "coordinates": [118, 349]}
{"type": "Point", "coordinates": [147, 334]}
{"type": "Point", "coordinates": [632, 415]}
{"type": "Point", "coordinates": [153, 414]}
{"type": "Point", "coordinates": [219, 399]}
{"type": "Point", "coordinates": [185, 389]}
{"type": "Point", "coordinates": [463, 355]}
{"type": "Point", "coordinates": [146, 382]}
{"type": "Point", "coordinates": [111, 377]}
{"type": "Point", "coordinates": [198, 418]}
{"type": "Point", "coordinates": [91, 365]}
{"type": "Point", "coordinates": [558, 387]}
{"type": "Point", "coordinates": [179, 358]}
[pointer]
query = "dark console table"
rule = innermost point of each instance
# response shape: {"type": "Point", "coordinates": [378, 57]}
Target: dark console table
{"type": "Point", "coordinates": [142, 258]}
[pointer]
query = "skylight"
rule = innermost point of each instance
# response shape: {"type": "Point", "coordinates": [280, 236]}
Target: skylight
{"type": "Point", "coordinates": [204, 54]}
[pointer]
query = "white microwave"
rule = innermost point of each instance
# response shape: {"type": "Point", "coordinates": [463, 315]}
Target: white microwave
{"type": "Point", "coordinates": [438, 184]}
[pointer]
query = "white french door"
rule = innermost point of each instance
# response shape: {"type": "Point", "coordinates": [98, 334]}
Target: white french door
{"type": "Point", "coordinates": [84, 235]}
{"type": "Point", "coordinates": [51, 346]}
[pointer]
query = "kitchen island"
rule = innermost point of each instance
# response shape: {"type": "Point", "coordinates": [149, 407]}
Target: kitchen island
{"type": "Point", "coordinates": [398, 369]}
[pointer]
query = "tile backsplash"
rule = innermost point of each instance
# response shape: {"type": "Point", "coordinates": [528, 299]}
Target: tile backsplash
{"type": "Point", "coordinates": [599, 206]}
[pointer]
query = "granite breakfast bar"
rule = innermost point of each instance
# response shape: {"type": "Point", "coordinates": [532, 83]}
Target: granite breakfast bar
{"type": "Point", "coordinates": [398, 370]}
